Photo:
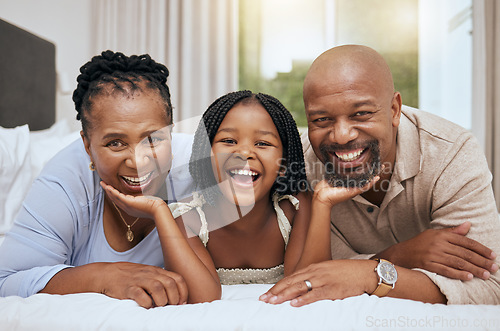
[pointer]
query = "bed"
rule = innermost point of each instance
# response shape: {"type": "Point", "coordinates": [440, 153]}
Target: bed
{"type": "Point", "coordinates": [29, 137]}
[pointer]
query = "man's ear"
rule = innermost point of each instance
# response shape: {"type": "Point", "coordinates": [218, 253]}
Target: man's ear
{"type": "Point", "coordinates": [396, 109]}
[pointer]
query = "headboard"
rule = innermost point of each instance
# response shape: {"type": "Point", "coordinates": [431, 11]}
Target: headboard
{"type": "Point", "coordinates": [27, 79]}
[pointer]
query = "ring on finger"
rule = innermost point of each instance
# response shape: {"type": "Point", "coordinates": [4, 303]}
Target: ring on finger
{"type": "Point", "coordinates": [309, 285]}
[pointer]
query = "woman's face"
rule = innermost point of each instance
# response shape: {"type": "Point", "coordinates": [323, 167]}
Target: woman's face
{"type": "Point", "coordinates": [129, 141]}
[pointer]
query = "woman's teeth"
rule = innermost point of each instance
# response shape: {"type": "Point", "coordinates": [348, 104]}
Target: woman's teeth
{"type": "Point", "coordinates": [349, 157]}
{"type": "Point", "coordinates": [136, 180]}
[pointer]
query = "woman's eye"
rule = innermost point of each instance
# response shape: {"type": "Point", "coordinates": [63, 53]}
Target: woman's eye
{"type": "Point", "coordinates": [153, 141]}
{"type": "Point", "coordinates": [115, 144]}
{"type": "Point", "coordinates": [228, 141]}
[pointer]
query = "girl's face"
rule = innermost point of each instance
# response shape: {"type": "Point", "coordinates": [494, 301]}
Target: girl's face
{"type": "Point", "coordinates": [130, 141]}
{"type": "Point", "coordinates": [247, 152]}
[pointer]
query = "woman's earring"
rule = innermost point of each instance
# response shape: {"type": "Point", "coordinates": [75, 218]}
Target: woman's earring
{"type": "Point", "coordinates": [91, 166]}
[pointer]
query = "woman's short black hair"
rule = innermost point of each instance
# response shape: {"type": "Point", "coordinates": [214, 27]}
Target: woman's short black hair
{"type": "Point", "coordinates": [291, 182]}
{"type": "Point", "coordinates": [121, 73]}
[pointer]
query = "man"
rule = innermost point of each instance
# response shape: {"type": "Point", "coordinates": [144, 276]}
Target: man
{"type": "Point", "coordinates": [430, 209]}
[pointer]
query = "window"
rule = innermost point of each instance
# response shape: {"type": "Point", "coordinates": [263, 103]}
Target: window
{"type": "Point", "coordinates": [427, 44]}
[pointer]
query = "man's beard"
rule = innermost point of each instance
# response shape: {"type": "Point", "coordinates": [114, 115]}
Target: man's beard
{"type": "Point", "coordinates": [337, 178]}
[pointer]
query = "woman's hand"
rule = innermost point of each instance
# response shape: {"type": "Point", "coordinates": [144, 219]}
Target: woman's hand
{"type": "Point", "coordinates": [138, 206]}
{"type": "Point", "coordinates": [149, 286]}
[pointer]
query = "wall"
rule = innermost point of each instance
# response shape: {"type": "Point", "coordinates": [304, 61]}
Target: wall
{"type": "Point", "coordinates": [66, 23]}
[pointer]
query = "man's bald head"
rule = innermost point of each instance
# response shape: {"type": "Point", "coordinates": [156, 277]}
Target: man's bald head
{"type": "Point", "coordinates": [350, 62]}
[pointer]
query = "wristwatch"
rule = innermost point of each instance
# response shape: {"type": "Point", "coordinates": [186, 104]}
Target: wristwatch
{"type": "Point", "coordinates": [387, 277]}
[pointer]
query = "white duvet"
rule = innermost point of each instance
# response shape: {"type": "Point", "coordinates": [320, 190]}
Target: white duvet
{"type": "Point", "coordinates": [240, 309]}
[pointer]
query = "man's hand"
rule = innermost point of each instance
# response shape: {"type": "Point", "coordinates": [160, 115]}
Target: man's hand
{"type": "Point", "coordinates": [446, 252]}
{"type": "Point", "coordinates": [330, 280]}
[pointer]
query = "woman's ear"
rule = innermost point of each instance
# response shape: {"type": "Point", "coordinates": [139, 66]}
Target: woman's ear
{"type": "Point", "coordinates": [86, 143]}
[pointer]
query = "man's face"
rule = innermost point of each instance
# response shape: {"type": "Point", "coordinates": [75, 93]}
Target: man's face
{"type": "Point", "coordinates": [352, 125]}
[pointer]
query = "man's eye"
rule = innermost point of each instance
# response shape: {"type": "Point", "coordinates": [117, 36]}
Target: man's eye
{"type": "Point", "coordinates": [321, 119]}
{"type": "Point", "coordinates": [363, 113]}
{"type": "Point", "coordinates": [228, 141]}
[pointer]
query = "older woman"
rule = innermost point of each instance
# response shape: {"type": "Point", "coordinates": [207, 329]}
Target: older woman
{"type": "Point", "coordinates": [69, 237]}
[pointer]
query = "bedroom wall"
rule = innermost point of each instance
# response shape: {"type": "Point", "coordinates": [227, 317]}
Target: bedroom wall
{"type": "Point", "coordinates": [66, 23]}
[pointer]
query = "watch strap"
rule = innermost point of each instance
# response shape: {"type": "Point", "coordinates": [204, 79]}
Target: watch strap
{"type": "Point", "coordinates": [382, 290]}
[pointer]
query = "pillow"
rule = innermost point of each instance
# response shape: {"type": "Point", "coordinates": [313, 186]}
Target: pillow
{"type": "Point", "coordinates": [23, 154]}
{"type": "Point", "coordinates": [15, 172]}
{"type": "Point", "coordinates": [46, 143]}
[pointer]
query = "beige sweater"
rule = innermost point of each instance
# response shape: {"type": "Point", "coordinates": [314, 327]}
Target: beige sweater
{"type": "Point", "coordinates": [441, 179]}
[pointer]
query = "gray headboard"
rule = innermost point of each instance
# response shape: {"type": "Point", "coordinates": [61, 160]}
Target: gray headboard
{"type": "Point", "coordinates": [27, 79]}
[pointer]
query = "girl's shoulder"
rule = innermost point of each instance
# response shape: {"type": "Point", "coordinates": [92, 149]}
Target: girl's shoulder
{"type": "Point", "coordinates": [187, 214]}
{"type": "Point", "coordinates": [294, 204]}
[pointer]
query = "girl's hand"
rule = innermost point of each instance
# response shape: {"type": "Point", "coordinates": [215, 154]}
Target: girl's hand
{"type": "Point", "coordinates": [137, 206]}
{"type": "Point", "coordinates": [330, 196]}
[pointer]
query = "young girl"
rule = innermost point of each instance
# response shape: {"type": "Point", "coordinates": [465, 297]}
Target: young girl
{"type": "Point", "coordinates": [247, 163]}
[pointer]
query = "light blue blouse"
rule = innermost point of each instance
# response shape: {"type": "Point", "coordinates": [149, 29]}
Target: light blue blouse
{"type": "Point", "coordinates": [60, 222]}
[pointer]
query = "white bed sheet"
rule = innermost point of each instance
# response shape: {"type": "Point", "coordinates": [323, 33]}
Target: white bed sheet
{"type": "Point", "coordinates": [239, 309]}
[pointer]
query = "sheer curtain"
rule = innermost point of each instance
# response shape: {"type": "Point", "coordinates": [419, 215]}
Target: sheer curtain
{"type": "Point", "coordinates": [195, 39]}
{"type": "Point", "coordinates": [486, 87]}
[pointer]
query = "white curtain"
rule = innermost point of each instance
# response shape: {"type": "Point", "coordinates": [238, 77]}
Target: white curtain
{"type": "Point", "coordinates": [486, 87]}
{"type": "Point", "coordinates": [196, 39]}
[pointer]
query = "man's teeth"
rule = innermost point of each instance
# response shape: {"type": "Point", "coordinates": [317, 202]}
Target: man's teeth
{"type": "Point", "coordinates": [243, 172]}
{"type": "Point", "coordinates": [137, 180]}
{"type": "Point", "coordinates": [348, 157]}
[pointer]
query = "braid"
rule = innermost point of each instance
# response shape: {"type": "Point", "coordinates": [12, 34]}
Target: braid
{"type": "Point", "coordinates": [294, 179]}
{"type": "Point", "coordinates": [200, 165]}
{"type": "Point", "coordinates": [121, 72]}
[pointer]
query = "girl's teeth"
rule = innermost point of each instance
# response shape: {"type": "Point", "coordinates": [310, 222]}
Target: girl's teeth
{"type": "Point", "coordinates": [243, 172]}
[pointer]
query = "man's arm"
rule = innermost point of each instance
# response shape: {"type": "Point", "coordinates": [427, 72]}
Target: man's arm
{"type": "Point", "coordinates": [447, 252]}
{"type": "Point", "coordinates": [339, 279]}
{"type": "Point", "coordinates": [463, 192]}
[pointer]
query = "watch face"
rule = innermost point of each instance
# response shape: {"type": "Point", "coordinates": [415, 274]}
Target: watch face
{"type": "Point", "coordinates": [387, 272]}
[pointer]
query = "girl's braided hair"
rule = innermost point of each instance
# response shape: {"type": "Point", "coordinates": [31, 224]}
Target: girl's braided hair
{"type": "Point", "coordinates": [120, 73]}
{"type": "Point", "coordinates": [294, 179]}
